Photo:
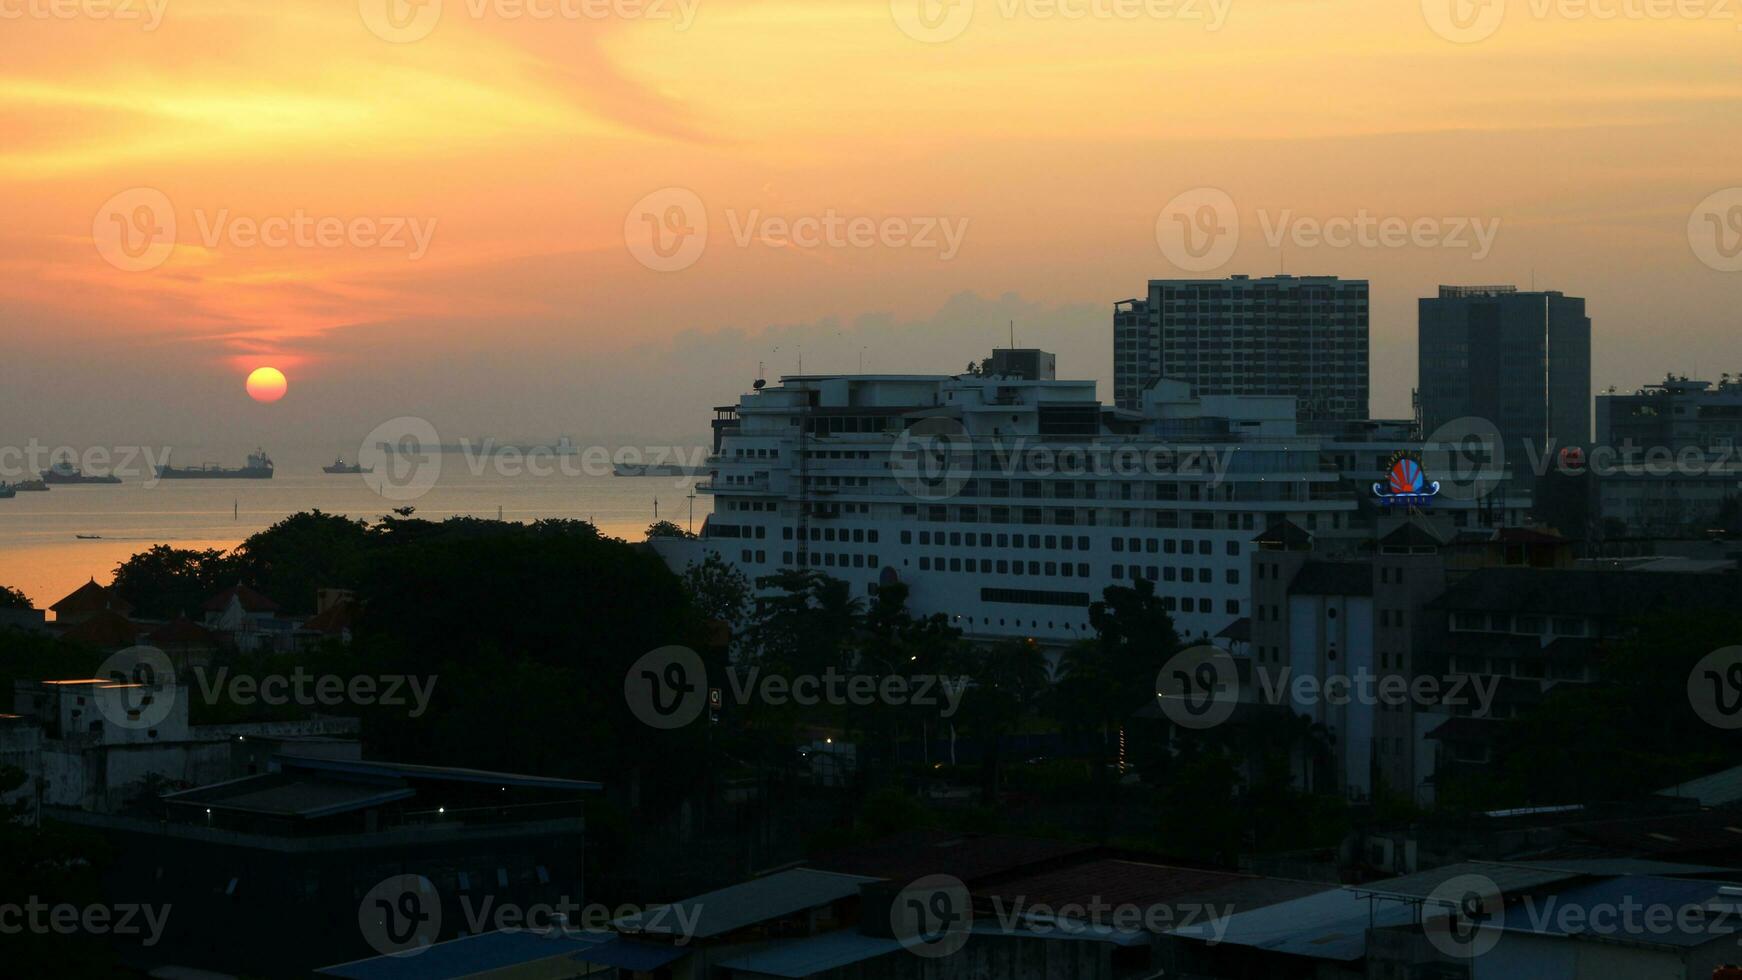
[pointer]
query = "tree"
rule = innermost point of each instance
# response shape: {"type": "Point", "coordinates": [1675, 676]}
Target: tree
{"type": "Point", "coordinates": [166, 582]}
{"type": "Point", "coordinates": [802, 622]}
{"type": "Point", "coordinates": [11, 598]}
{"type": "Point", "coordinates": [1007, 682]}
{"type": "Point", "coordinates": [1107, 679]}
{"type": "Point", "coordinates": [666, 529]}
{"type": "Point", "coordinates": [719, 592]}
{"type": "Point", "coordinates": [295, 558]}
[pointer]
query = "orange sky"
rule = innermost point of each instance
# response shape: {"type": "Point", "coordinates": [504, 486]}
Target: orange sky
{"type": "Point", "coordinates": [518, 145]}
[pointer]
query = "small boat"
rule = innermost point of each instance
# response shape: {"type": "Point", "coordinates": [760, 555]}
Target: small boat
{"type": "Point", "coordinates": [30, 486]}
{"type": "Point", "coordinates": [63, 471]}
{"type": "Point", "coordinates": [6, 492]}
{"type": "Point", "coordinates": [259, 468]}
{"type": "Point", "coordinates": [340, 466]}
{"type": "Point", "coordinates": [89, 537]}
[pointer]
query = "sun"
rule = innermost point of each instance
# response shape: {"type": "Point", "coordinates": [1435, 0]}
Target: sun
{"type": "Point", "coordinates": [267, 385]}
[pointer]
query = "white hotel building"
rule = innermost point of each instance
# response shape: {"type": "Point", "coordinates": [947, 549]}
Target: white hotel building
{"type": "Point", "coordinates": [1009, 500]}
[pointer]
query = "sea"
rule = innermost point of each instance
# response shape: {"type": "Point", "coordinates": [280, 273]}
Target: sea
{"type": "Point", "coordinates": [42, 554]}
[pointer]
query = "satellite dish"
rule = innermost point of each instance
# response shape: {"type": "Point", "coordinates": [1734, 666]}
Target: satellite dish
{"type": "Point", "coordinates": [759, 383]}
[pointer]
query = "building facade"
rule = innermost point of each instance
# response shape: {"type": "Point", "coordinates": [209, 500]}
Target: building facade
{"type": "Point", "coordinates": [1520, 360]}
{"type": "Point", "coordinates": [1304, 337]}
{"type": "Point", "coordinates": [1010, 503]}
{"type": "Point", "coordinates": [1667, 455]}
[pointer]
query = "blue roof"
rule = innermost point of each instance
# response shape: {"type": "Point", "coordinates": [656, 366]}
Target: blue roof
{"type": "Point", "coordinates": [1331, 925]}
{"type": "Point", "coordinates": [470, 955]}
{"type": "Point", "coordinates": [746, 904]}
{"type": "Point", "coordinates": [813, 954]}
{"type": "Point", "coordinates": [1543, 915]}
{"type": "Point", "coordinates": [630, 955]}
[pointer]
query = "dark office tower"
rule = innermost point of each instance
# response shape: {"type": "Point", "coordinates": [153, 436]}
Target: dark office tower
{"type": "Point", "coordinates": [1304, 336]}
{"type": "Point", "coordinates": [1520, 360]}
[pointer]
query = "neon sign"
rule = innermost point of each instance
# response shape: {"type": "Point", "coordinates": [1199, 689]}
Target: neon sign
{"type": "Point", "coordinates": [1405, 483]}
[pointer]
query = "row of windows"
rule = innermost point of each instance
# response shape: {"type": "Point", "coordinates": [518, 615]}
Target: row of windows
{"type": "Point", "coordinates": [856, 535]}
{"type": "Point", "coordinates": [1202, 520]}
{"type": "Point", "coordinates": [825, 559]}
{"type": "Point", "coordinates": [1169, 546]}
{"type": "Point", "coordinates": [956, 539]}
{"type": "Point", "coordinates": [1170, 573]}
{"type": "Point", "coordinates": [1003, 567]}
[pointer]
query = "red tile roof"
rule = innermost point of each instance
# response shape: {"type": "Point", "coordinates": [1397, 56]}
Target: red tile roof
{"type": "Point", "coordinates": [183, 631]}
{"type": "Point", "coordinates": [104, 630]}
{"type": "Point", "coordinates": [251, 600]}
{"type": "Point", "coordinates": [89, 598]}
{"type": "Point", "coordinates": [338, 617]}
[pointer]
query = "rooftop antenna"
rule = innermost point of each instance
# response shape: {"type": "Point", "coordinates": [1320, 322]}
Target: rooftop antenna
{"type": "Point", "coordinates": [1012, 334]}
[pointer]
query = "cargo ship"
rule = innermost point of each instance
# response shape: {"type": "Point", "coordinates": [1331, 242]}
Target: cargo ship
{"type": "Point", "coordinates": [63, 471]}
{"type": "Point", "coordinates": [259, 468]}
{"type": "Point", "coordinates": [657, 469]}
{"type": "Point", "coordinates": [340, 467]}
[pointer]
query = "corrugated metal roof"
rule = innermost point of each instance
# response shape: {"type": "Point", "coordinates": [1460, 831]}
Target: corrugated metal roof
{"type": "Point", "coordinates": [1331, 925]}
{"type": "Point", "coordinates": [813, 954]}
{"type": "Point", "coordinates": [1118, 882]}
{"type": "Point", "coordinates": [1717, 789]}
{"type": "Point", "coordinates": [1628, 912]}
{"type": "Point", "coordinates": [286, 795]}
{"type": "Point", "coordinates": [1630, 866]}
{"type": "Point", "coordinates": [469, 956]}
{"type": "Point", "coordinates": [629, 955]}
{"type": "Point", "coordinates": [746, 904]}
{"type": "Point", "coordinates": [452, 774]}
{"type": "Point", "coordinates": [1511, 879]}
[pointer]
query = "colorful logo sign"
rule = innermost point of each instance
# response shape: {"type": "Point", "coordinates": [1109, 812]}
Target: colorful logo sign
{"type": "Point", "coordinates": [1405, 483]}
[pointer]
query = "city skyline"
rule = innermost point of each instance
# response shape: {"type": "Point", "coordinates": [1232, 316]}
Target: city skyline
{"type": "Point", "coordinates": [559, 155]}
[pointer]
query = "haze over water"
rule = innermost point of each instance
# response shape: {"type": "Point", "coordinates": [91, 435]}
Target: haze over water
{"type": "Point", "coordinates": [41, 554]}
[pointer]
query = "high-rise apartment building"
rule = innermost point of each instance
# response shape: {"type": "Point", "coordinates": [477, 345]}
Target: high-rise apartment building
{"type": "Point", "coordinates": [1520, 360]}
{"type": "Point", "coordinates": [1304, 336]}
